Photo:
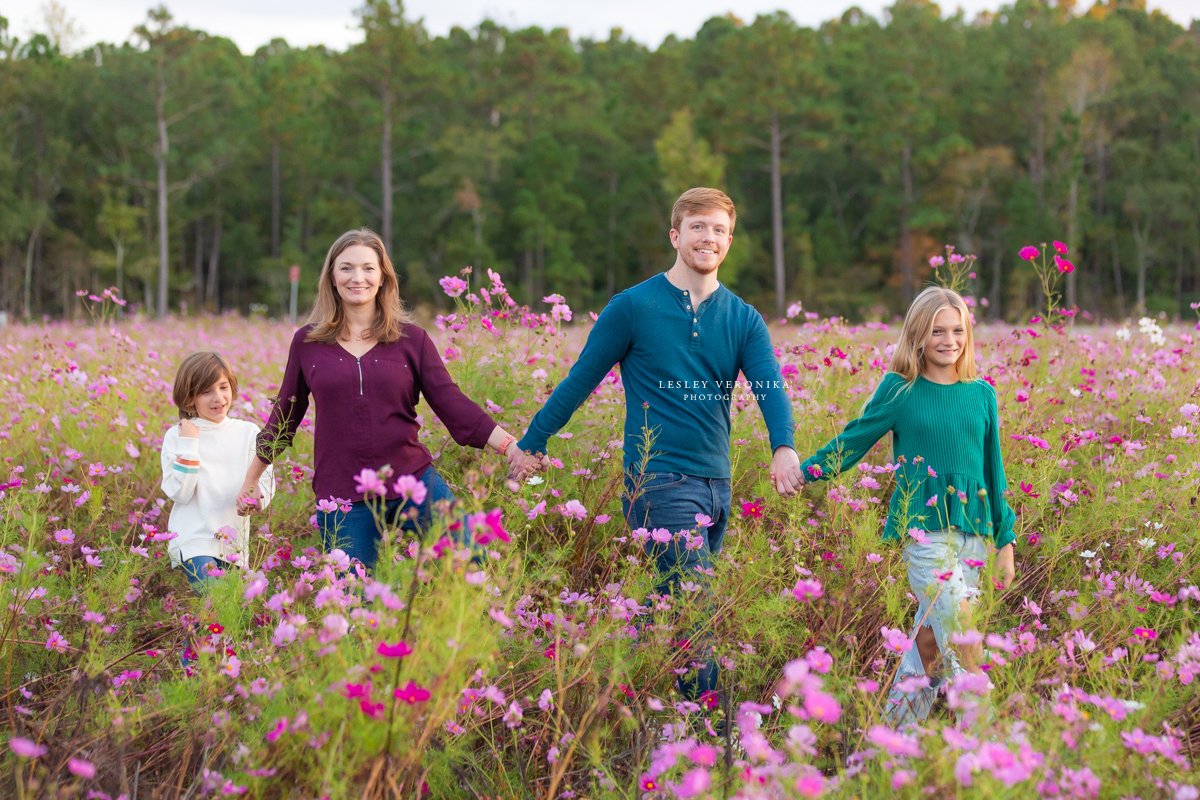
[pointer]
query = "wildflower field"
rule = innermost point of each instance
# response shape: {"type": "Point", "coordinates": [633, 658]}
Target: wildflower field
{"type": "Point", "coordinates": [547, 669]}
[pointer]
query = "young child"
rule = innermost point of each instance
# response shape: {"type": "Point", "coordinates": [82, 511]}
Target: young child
{"type": "Point", "coordinates": [948, 507]}
{"type": "Point", "coordinates": [204, 462]}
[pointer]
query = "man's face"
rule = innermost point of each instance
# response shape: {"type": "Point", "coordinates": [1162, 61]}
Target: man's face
{"type": "Point", "coordinates": [703, 240]}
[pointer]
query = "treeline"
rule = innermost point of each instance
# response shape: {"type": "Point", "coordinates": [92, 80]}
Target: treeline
{"type": "Point", "coordinates": [192, 175]}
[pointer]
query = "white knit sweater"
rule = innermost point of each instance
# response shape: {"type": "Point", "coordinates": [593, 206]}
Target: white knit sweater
{"type": "Point", "coordinates": [203, 476]}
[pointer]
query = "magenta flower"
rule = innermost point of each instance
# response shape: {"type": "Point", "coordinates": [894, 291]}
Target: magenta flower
{"type": "Point", "coordinates": [815, 471]}
{"type": "Point", "coordinates": [1060, 248]}
{"type": "Point", "coordinates": [397, 650]}
{"type": "Point", "coordinates": [81, 768]}
{"type": "Point", "coordinates": [1145, 633]}
{"type": "Point", "coordinates": [412, 694]}
{"type": "Point", "coordinates": [1063, 265]}
{"type": "Point", "coordinates": [26, 748]}
{"type": "Point", "coordinates": [488, 527]}
{"type": "Point", "coordinates": [372, 710]}
{"type": "Point", "coordinates": [807, 590]}
{"type": "Point", "coordinates": [1029, 253]}
{"type": "Point", "coordinates": [56, 642]}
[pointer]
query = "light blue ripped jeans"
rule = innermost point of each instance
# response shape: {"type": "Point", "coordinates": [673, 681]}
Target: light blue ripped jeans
{"type": "Point", "coordinates": [941, 578]}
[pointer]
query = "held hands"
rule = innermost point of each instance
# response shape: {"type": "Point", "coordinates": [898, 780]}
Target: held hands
{"type": "Point", "coordinates": [248, 499]}
{"type": "Point", "coordinates": [522, 465]}
{"type": "Point", "coordinates": [188, 429]}
{"type": "Point", "coordinates": [786, 475]}
{"type": "Point", "coordinates": [1005, 571]}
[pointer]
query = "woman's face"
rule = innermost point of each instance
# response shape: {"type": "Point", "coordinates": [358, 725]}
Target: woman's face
{"type": "Point", "coordinates": [357, 275]}
{"type": "Point", "coordinates": [948, 339]}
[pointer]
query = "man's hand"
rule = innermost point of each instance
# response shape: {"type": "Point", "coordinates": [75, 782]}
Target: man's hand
{"type": "Point", "coordinates": [521, 465]}
{"type": "Point", "coordinates": [1005, 571]}
{"type": "Point", "coordinates": [785, 472]}
{"type": "Point", "coordinates": [188, 429]}
{"type": "Point", "coordinates": [247, 499]}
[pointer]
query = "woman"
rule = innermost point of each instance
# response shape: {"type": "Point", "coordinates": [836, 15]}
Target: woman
{"type": "Point", "coordinates": [366, 364]}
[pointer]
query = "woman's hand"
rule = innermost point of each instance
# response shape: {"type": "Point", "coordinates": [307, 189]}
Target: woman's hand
{"type": "Point", "coordinates": [1005, 571]}
{"type": "Point", "coordinates": [188, 429]}
{"type": "Point", "coordinates": [521, 465]}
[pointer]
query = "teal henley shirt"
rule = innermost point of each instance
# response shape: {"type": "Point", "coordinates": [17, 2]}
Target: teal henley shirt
{"type": "Point", "coordinates": [679, 367]}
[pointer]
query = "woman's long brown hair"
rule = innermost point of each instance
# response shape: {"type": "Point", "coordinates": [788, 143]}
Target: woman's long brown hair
{"type": "Point", "coordinates": [328, 318]}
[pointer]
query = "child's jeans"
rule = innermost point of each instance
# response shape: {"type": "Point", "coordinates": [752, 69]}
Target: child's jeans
{"type": "Point", "coordinates": [941, 579]}
{"type": "Point", "coordinates": [196, 569]}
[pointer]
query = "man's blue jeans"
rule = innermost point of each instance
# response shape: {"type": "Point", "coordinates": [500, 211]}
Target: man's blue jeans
{"type": "Point", "coordinates": [357, 534]}
{"type": "Point", "coordinates": [671, 500]}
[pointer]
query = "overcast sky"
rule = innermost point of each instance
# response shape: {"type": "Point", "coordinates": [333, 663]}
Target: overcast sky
{"type": "Point", "coordinates": [251, 23]}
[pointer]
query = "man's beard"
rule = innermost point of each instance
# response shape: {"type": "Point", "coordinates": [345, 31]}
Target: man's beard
{"type": "Point", "coordinates": [686, 257]}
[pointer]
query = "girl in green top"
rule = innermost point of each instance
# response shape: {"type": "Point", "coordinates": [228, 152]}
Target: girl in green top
{"type": "Point", "coordinates": [948, 507]}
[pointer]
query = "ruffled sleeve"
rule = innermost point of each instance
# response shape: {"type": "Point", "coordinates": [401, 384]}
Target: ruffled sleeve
{"type": "Point", "coordinates": [1002, 517]}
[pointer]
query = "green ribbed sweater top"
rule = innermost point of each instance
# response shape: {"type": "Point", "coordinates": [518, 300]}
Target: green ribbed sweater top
{"type": "Point", "coordinates": [946, 446]}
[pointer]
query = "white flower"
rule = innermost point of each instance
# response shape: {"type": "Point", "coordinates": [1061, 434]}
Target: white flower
{"type": "Point", "coordinates": [1075, 392]}
{"type": "Point", "coordinates": [1087, 554]}
{"type": "Point", "coordinates": [1146, 543]}
{"type": "Point", "coordinates": [534, 480]}
{"type": "Point", "coordinates": [1123, 334]}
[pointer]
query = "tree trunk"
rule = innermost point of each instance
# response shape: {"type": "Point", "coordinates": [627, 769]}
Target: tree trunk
{"type": "Point", "coordinates": [1072, 233]}
{"type": "Point", "coordinates": [539, 274]}
{"type": "Point", "coordinates": [385, 166]}
{"type": "Point", "coordinates": [160, 157]}
{"type": "Point", "coordinates": [906, 239]}
{"type": "Point", "coordinates": [777, 216]}
{"type": "Point", "coordinates": [528, 269]}
{"type": "Point", "coordinates": [1179, 272]}
{"type": "Point", "coordinates": [276, 202]}
{"type": "Point", "coordinates": [1141, 241]}
{"type": "Point", "coordinates": [212, 293]}
{"type": "Point", "coordinates": [611, 282]}
{"type": "Point", "coordinates": [198, 265]}
{"type": "Point", "coordinates": [997, 266]}
{"type": "Point", "coordinates": [34, 238]}
{"type": "Point", "coordinates": [1099, 206]}
{"type": "Point", "coordinates": [1117, 283]}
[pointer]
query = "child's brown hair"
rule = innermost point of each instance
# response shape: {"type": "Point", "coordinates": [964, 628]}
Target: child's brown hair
{"type": "Point", "coordinates": [196, 374]}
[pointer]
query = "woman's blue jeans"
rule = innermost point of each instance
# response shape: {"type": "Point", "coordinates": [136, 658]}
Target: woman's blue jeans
{"type": "Point", "coordinates": [357, 534]}
{"type": "Point", "coordinates": [672, 500]}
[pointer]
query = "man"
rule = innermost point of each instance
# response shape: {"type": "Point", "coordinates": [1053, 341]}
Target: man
{"type": "Point", "coordinates": [681, 339]}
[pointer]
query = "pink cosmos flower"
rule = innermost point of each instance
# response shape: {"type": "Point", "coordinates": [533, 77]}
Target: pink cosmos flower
{"type": "Point", "coordinates": [412, 694]}
{"type": "Point", "coordinates": [573, 509]}
{"type": "Point", "coordinates": [1060, 248]}
{"type": "Point", "coordinates": [397, 650]}
{"type": "Point", "coordinates": [1029, 253]}
{"type": "Point", "coordinates": [26, 748]}
{"type": "Point", "coordinates": [410, 487]}
{"type": "Point", "coordinates": [368, 482]}
{"type": "Point", "coordinates": [807, 590]}
{"type": "Point", "coordinates": [81, 768]}
{"type": "Point", "coordinates": [1063, 265]}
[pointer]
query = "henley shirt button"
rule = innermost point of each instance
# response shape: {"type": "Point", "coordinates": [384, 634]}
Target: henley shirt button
{"type": "Point", "coordinates": [695, 334]}
{"type": "Point", "coordinates": [693, 319]}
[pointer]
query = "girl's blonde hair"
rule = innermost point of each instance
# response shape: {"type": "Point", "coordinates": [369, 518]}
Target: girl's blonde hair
{"type": "Point", "coordinates": [908, 359]}
{"type": "Point", "coordinates": [329, 319]}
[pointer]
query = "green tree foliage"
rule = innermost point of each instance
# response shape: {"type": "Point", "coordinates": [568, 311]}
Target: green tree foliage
{"type": "Point", "coordinates": [195, 175]}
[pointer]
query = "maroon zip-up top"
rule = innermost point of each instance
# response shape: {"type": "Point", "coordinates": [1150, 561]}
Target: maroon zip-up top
{"type": "Point", "coordinates": [367, 408]}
